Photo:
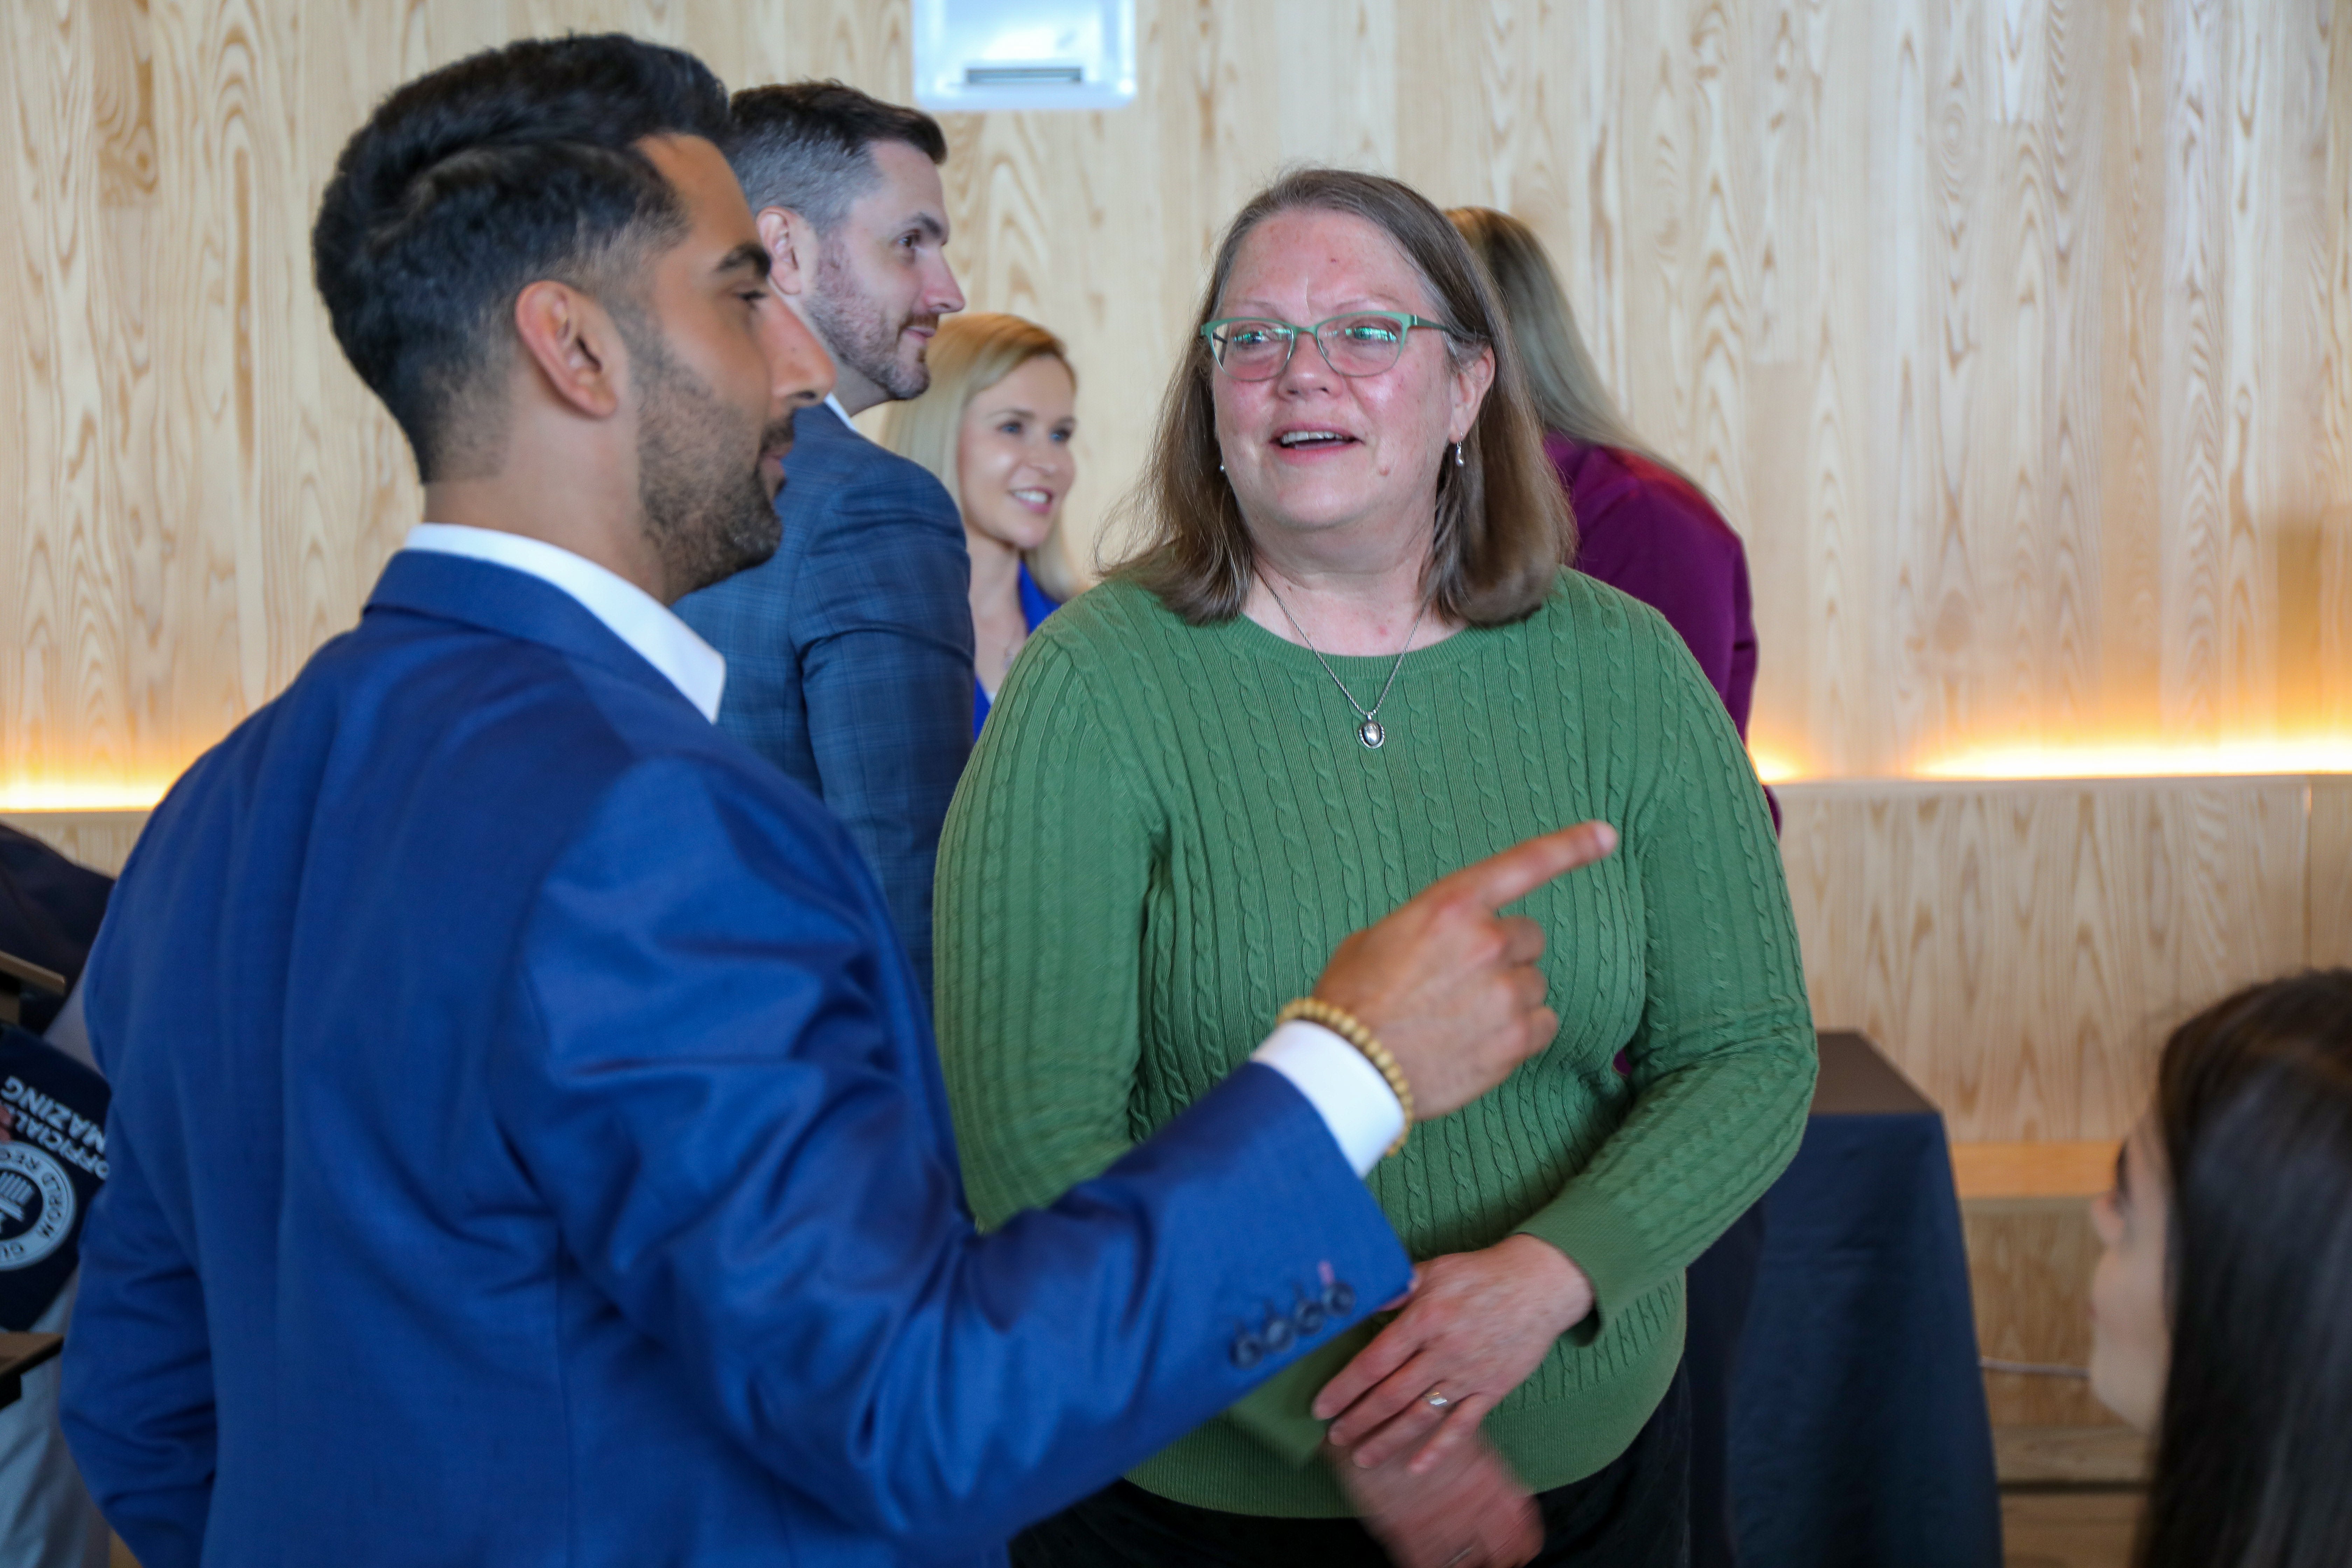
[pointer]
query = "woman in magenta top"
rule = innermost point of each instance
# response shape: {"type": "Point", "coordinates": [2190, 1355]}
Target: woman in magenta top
{"type": "Point", "coordinates": [1646, 530]}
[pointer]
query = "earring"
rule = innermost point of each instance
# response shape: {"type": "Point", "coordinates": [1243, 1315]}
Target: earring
{"type": "Point", "coordinates": [1457, 454]}
{"type": "Point", "coordinates": [1221, 468]}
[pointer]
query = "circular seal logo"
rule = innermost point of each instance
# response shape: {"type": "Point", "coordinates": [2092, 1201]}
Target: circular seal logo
{"type": "Point", "coordinates": [37, 1205]}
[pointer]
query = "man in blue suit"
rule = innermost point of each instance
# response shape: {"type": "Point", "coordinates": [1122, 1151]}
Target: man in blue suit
{"type": "Point", "coordinates": [849, 654]}
{"type": "Point", "coordinates": [527, 1144]}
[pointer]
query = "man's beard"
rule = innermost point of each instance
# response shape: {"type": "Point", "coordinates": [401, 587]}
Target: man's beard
{"type": "Point", "coordinates": [706, 518]}
{"type": "Point", "coordinates": [847, 320]}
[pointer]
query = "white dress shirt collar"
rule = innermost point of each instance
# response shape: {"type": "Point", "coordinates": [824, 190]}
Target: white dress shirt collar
{"type": "Point", "coordinates": [834, 404]}
{"type": "Point", "coordinates": [627, 611]}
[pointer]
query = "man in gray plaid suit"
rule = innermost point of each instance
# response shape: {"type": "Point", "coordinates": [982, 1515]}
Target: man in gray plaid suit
{"type": "Point", "coordinates": [849, 654]}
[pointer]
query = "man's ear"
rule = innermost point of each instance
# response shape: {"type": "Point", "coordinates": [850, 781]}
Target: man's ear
{"type": "Point", "coordinates": [793, 247]}
{"type": "Point", "coordinates": [574, 345]}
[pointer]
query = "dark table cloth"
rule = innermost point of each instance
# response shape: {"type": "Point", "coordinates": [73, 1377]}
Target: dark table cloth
{"type": "Point", "coordinates": [1859, 1434]}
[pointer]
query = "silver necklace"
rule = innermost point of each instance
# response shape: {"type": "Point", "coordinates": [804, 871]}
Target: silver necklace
{"type": "Point", "coordinates": [1369, 731]}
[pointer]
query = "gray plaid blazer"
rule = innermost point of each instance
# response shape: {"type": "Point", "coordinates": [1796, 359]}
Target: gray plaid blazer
{"type": "Point", "coordinates": [849, 654]}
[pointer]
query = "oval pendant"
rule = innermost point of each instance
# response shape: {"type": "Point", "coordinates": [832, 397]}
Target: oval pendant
{"type": "Point", "coordinates": [1372, 734]}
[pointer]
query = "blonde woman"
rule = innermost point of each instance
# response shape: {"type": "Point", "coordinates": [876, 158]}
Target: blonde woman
{"type": "Point", "coordinates": [995, 426]}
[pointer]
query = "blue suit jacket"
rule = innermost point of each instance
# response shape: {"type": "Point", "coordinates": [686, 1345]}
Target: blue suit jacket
{"type": "Point", "coordinates": [528, 1148]}
{"type": "Point", "coordinates": [849, 654]}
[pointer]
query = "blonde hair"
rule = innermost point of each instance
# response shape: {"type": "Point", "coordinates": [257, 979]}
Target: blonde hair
{"type": "Point", "coordinates": [1564, 384]}
{"type": "Point", "coordinates": [1503, 527]}
{"type": "Point", "coordinates": [971, 353]}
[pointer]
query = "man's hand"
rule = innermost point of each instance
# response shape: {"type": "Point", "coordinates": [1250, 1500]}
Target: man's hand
{"type": "Point", "coordinates": [1470, 1511]}
{"type": "Point", "coordinates": [1451, 987]}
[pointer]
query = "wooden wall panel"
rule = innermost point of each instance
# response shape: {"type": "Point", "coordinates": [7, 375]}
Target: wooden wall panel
{"type": "Point", "coordinates": [2030, 1262]}
{"type": "Point", "coordinates": [2329, 919]}
{"type": "Point", "coordinates": [102, 840]}
{"type": "Point", "coordinates": [2020, 949]}
{"type": "Point", "coordinates": [2015, 337]}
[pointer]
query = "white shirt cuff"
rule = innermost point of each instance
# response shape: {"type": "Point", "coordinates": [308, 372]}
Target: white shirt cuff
{"type": "Point", "coordinates": [1346, 1090]}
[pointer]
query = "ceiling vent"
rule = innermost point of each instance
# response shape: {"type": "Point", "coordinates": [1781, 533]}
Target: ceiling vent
{"type": "Point", "coordinates": [972, 55]}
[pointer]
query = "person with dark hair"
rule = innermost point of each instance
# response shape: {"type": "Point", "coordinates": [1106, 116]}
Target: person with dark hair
{"type": "Point", "coordinates": [1350, 651]}
{"type": "Point", "coordinates": [850, 654]}
{"type": "Point", "coordinates": [2218, 1311]}
{"type": "Point", "coordinates": [50, 909]}
{"type": "Point", "coordinates": [1642, 527]}
{"type": "Point", "coordinates": [527, 1144]}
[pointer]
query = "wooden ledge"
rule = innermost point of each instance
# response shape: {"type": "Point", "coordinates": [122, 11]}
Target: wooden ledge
{"type": "Point", "coordinates": [2070, 1456]}
{"type": "Point", "coordinates": [2078, 1169]}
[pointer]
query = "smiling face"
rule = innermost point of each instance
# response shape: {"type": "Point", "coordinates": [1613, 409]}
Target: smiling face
{"type": "Point", "coordinates": [2131, 1335]}
{"type": "Point", "coordinates": [1014, 468]}
{"type": "Point", "coordinates": [1312, 450]}
{"type": "Point", "coordinates": [882, 279]}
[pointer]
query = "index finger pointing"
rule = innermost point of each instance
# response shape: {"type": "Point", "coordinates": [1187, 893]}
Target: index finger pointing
{"type": "Point", "coordinates": [1519, 870]}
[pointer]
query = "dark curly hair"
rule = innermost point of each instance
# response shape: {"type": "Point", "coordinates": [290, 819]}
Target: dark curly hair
{"type": "Point", "coordinates": [476, 180]}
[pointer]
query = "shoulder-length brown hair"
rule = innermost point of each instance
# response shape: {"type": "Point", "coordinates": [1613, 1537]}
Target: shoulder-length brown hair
{"type": "Point", "coordinates": [1503, 529]}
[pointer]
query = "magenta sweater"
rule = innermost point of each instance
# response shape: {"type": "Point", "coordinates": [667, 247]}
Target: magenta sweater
{"type": "Point", "coordinates": [1644, 531]}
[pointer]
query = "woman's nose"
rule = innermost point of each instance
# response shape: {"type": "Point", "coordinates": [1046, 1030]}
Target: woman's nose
{"type": "Point", "coordinates": [1307, 367]}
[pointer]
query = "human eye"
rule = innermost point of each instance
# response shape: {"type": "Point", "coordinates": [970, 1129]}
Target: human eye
{"type": "Point", "coordinates": [1371, 330]}
{"type": "Point", "coordinates": [1252, 334]}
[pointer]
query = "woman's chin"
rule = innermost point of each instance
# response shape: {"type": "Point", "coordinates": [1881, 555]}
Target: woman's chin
{"type": "Point", "coordinates": [2134, 1397]}
{"type": "Point", "coordinates": [1021, 535]}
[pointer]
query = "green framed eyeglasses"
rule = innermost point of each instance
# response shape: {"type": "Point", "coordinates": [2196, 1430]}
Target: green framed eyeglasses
{"type": "Point", "coordinates": [1362, 343]}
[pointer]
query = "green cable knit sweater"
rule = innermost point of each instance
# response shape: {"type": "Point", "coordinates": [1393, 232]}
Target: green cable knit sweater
{"type": "Point", "coordinates": [1166, 829]}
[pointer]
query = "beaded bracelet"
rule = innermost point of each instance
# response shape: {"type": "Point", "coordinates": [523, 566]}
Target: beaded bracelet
{"type": "Point", "coordinates": [1350, 1028]}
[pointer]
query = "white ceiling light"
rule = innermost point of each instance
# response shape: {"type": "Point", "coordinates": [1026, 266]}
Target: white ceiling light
{"type": "Point", "coordinates": [974, 55]}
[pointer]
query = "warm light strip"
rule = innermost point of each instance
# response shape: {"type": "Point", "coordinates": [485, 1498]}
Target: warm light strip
{"type": "Point", "coordinates": [2323, 754]}
{"type": "Point", "coordinates": [38, 797]}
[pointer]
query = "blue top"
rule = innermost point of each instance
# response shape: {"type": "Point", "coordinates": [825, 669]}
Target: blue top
{"type": "Point", "coordinates": [528, 1147]}
{"type": "Point", "coordinates": [1035, 606]}
{"type": "Point", "coordinates": [849, 653]}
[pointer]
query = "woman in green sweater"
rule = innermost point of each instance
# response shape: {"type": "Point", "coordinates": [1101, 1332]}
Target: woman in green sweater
{"type": "Point", "coordinates": [1349, 660]}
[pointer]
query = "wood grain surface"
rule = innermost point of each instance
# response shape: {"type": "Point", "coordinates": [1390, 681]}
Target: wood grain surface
{"type": "Point", "coordinates": [2015, 337]}
{"type": "Point", "coordinates": [2030, 1262]}
{"type": "Point", "coordinates": [2069, 1527]}
{"type": "Point", "coordinates": [2329, 921]}
{"type": "Point", "coordinates": [2020, 949]}
{"type": "Point", "coordinates": [102, 840]}
{"type": "Point", "coordinates": [2078, 1168]}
